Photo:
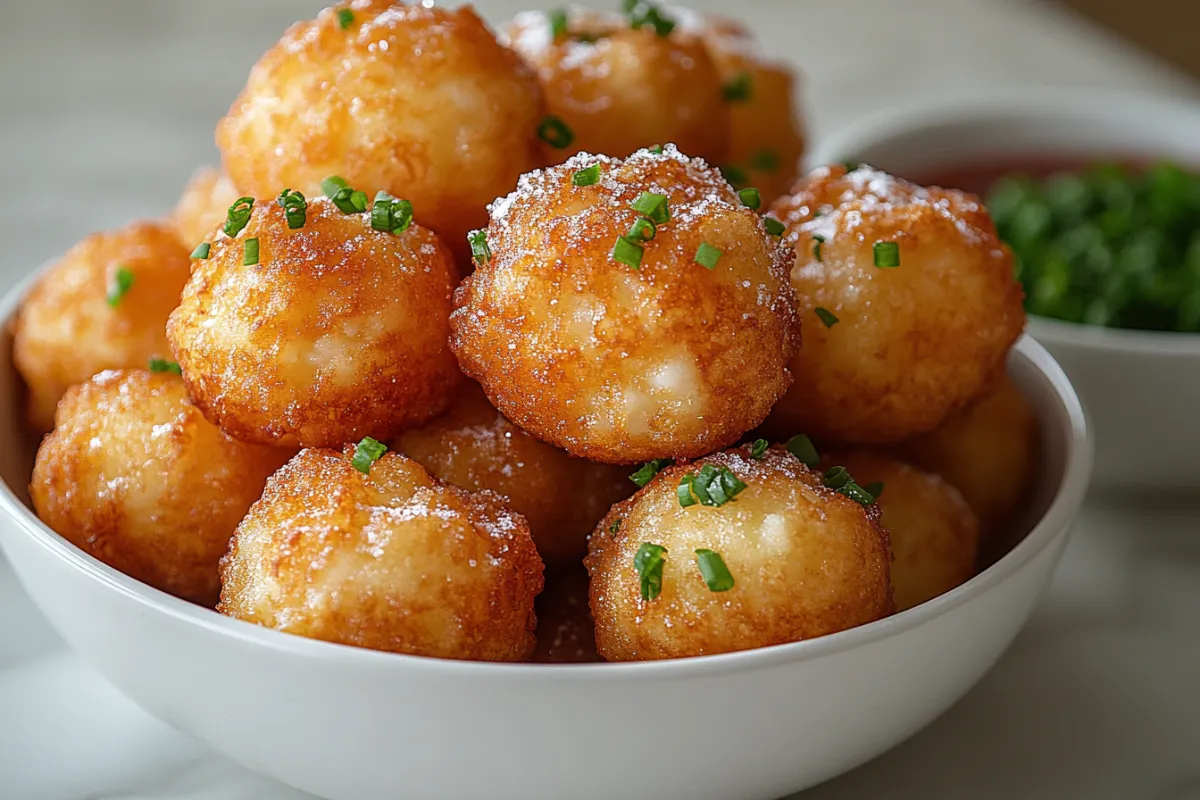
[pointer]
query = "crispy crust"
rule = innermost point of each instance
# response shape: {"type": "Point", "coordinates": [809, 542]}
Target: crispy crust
{"type": "Point", "coordinates": [392, 560]}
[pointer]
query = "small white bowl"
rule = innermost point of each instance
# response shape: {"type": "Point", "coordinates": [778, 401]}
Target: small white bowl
{"type": "Point", "coordinates": [353, 724]}
{"type": "Point", "coordinates": [1141, 388]}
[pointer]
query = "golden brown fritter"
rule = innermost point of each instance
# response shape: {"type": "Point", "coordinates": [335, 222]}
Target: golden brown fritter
{"type": "Point", "coordinates": [338, 332]}
{"type": "Point", "coordinates": [620, 89]}
{"type": "Point", "coordinates": [203, 205]}
{"type": "Point", "coordinates": [988, 452]}
{"type": "Point", "coordinates": [135, 476]}
{"type": "Point", "coordinates": [391, 560]}
{"type": "Point", "coordinates": [899, 349]}
{"type": "Point", "coordinates": [76, 320]}
{"type": "Point", "coordinates": [475, 447]}
{"type": "Point", "coordinates": [766, 137]}
{"type": "Point", "coordinates": [420, 102]}
{"type": "Point", "coordinates": [622, 364]}
{"type": "Point", "coordinates": [805, 561]}
{"type": "Point", "coordinates": [934, 534]}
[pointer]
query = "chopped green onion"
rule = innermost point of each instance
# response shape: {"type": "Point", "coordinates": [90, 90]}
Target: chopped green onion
{"type": "Point", "coordinates": [734, 175]}
{"type": "Point", "coordinates": [656, 149]}
{"type": "Point", "coordinates": [774, 226]}
{"type": "Point", "coordinates": [838, 479]}
{"type": "Point", "coordinates": [202, 250]}
{"type": "Point", "coordinates": [162, 365]}
{"type": "Point", "coordinates": [874, 489]}
{"type": "Point", "coordinates": [391, 215]}
{"type": "Point", "coordinates": [628, 252]}
{"type": "Point", "coordinates": [654, 206]}
{"type": "Point", "coordinates": [556, 133]}
{"type": "Point", "coordinates": [758, 448]}
{"type": "Point", "coordinates": [802, 448]}
{"type": "Point", "coordinates": [349, 201]}
{"type": "Point", "coordinates": [646, 14]}
{"type": "Point", "coordinates": [616, 525]}
{"type": "Point", "coordinates": [367, 453]}
{"type": "Point", "coordinates": [643, 230]}
{"type": "Point", "coordinates": [121, 283]}
{"type": "Point", "coordinates": [714, 571]}
{"type": "Point", "coordinates": [345, 18]}
{"type": "Point", "coordinates": [739, 89]}
{"type": "Point", "coordinates": [765, 161]}
{"type": "Point", "coordinates": [250, 256]}
{"type": "Point", "coordinates": [649, 470]}
{"type": "Point", "coordinates": [707, 256]}
{"type": "Point", "coordinates": [481, 253]}
{"type": "Point", "coordinates": [648, 561]}
{"type": "Point", "coordinates": [295, 208]}
{"type": "Point", "coordinates": [851, 166]}
{"type": "Point", "coordinates": [332, 185]}
{"type": "Point", "coordinates": [828, 317]}
{"type": "Point", "coordinates": [750, 198]}
{"type": "Point", "coordinates": [558, 22]}
{"type": "Point", "coordinates": [712, 486]}
{"type": "Point", "coordinates": [238, 216]}
{"type": "Point", "coordinates": [887, 255]}
{"type": "Point", "coordinates": [818, 240]}
{"type": "Point", "coordinates": [587, 176]}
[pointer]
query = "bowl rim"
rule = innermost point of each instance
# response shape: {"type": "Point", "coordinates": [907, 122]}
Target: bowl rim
{"type": "Point", "coordinates": [1055, 523]}
{"type": "Point", "coordinates": [1032, 107]}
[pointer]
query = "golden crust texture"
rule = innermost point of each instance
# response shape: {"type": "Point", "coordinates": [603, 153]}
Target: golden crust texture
{"type": "Point", "coordinates": [135, 476]}
{"type": "Point", "coordinates": [911, 344]}
{"type": "Point", "coordinates": [619, 364]}
{"type": "Point", "coordinates": [392, 560]}
{"type": "Point", "coordinates": [338, 332]}
{"type": "Point", "coordinates": [805, 560]}
{"type": "Point", "coordinates": [473, 446]}
{"type": "Point", "coordinates": [420, 102]}
{"type": "Point", "coordinates": [203, 205]}
{"type": "Point", "coordinates": [934, 534]}
{"type": "Point", "coordinates": [766, 137]}
{"type": "Point", "coordinates": [988, 452]}
{"type": "Point", "coordinates": [620, 89]}
{"type": "Point", "coordinates": [66, 330]}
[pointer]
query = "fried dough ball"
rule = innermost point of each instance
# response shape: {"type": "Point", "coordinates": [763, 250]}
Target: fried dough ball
{"type": "Point", "coordinates": [202, 207]}
{"type": "Point", "coordinates": [389, 560]}
{"type": "Point", "coordinates": [103, 305]}
{"type": "Point", "coordinates": [890, 353]}
{"type": "Point", "coordinates": [805, 561]}
{"type": "Point", "coordinates": [418, 101]}
{"type": "Point", "coordinates": [766, 140]}
{"type": "Point", "coordinates": [620, 89]}
{"type": "Point", "coordinates": [338, 332]}
{"type": "Point", "coordinates": [135, 476]}
{"type": "Point", "coordinates": [934, 533]}
{"type": "Point", "coordinates": [987, 452]}
{"type": "Point", "coordinates": [622, 364]}
{"type": "Point", "coordinates": [475, 447]}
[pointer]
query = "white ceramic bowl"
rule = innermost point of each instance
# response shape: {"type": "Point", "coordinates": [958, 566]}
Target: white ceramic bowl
{"type": "Point", "coordinates": [1141, 389]}
{"type": "Point", "coordinates": [354, 724]}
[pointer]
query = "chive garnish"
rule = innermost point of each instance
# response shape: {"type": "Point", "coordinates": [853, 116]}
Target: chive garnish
{"type": "Point", "coordinates": [654, 206]}
{"type": "Point", "coordinates": [628, 252]}
{"type": "Point", "coordinates": [481, 253]}
{"type": "Point", "coordinates": [874, 489]}
{"type": "Point", "coordinates": [556, 133]}
{"type": "Point", "coordinates": [643, 13]}
{"type": "Point", "coordinates": [558, 22]}
{"type": "Point", "coordinates": [238, 216]}
{"type": "Point", "coordinates": [345, 18]}
{"type": "Point", "coordinates": [774, 226]}
{"type": "Point", "coordinates": [712, 486]}
{"type": "Point", "coordinates": [707, 256]}
{"type": "Point", "coordinates": [616, 525]}
{"type": "Point", "coordinates": [765, 161]}
{"type": "Point", "coordinates": [649, 470]}
{"type": "Point", "coordinates": [121, 283]}
{"type": "Point", "coordinates": [367, 453]}
{"type": "Point", "coordinates": [750, 198]}
{"type": "Point", "coordinates": [818, 240]}
{"type": "Point", "coordinates": [587, 176]}
{"type": "Point", "coordinates": [828, 317]}
{"type": "Point", "coordinates": [391, 215]}
{"type": "Point", "coordinates": [802, 448]}
{"type": "Point", "coordinates": [295, 208]}
{"type": "Point", "coordinates": [656, 149]}
{"type": "Point", "coordinates": [202, 250]}
{"type": "Point", "coordinates": [739, 89]}
{"type": "Point", "coordinates": [648, 561]}
{"type": "Point", "coordinates": [332, 185]}
{"type": "Point", "coordinates": [643, 230]}
{"type": "Point", "coordinates": [162, 365]}
{"type": "Point", "coordinates": [250, 255]}
{"type": "Point", "coordinates": [758, 448]}
{"type": "Point", "coordinates": [887, 255]}
{"type": "Point", "coordinates": [838, 479]}
{"type": "Point", "coordinates": [713, 570]}
{"type": "Point", "coordinates": [734, 175]}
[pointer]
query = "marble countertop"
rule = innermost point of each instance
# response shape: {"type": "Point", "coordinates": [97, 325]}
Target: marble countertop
{"type": "Point", "coordinates": [107, 107]}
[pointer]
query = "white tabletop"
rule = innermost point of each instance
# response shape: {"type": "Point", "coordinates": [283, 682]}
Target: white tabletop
{"type": "Point", "coordinates": [105, 109]}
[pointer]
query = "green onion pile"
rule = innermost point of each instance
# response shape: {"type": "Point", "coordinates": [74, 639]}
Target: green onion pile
{"type": "Point", "coordinates": [1109, 245]}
